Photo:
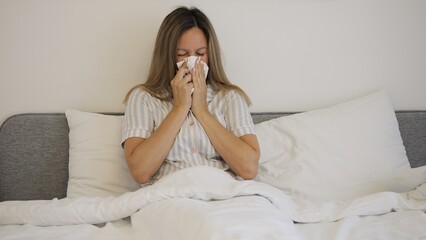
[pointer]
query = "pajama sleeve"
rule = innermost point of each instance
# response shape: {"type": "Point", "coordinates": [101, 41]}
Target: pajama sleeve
{"type": "Point", "coordinates": [138, 120]}
{"type": "Point", "coordinates": [237, 115]}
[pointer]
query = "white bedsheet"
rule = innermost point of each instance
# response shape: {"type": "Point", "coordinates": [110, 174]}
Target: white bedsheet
{"type": "Point", "coordinates": [206, 203]}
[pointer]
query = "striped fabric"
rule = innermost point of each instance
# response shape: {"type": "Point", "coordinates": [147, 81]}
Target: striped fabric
{"type": "Point", "coordinates": [192, 147]}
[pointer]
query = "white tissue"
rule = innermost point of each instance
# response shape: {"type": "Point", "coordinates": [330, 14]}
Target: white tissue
{"type": "Point", "coordinates": [191, 64]}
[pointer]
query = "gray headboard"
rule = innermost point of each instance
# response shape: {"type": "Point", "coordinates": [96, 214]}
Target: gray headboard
{"type": "Point", "coordinates": [34, 152]}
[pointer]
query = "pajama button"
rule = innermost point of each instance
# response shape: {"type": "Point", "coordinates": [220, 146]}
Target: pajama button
{"type": "Point", "coordinates": [191, 124]}
{"type": "Point", "coordinates": [194, 150]}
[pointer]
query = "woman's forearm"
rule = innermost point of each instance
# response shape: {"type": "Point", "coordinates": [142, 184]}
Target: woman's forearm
{"type": "Point", "coordinates": [241, 154]}
{"type": "Point", "coordinates": [145, 156]}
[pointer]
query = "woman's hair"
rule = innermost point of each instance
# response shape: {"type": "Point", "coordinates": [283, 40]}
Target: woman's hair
{"type": "Point", "coordinates": [163, 66]}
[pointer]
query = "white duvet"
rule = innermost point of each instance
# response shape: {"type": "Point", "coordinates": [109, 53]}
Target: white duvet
{"type": "Point", "coordinates": [207, 203]}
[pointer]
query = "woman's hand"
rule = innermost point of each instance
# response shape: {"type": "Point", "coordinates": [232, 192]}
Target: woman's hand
{"type": "Point", "coordinates": [199, 97]}
{"type": "Point", "coordinates": [182, 86]}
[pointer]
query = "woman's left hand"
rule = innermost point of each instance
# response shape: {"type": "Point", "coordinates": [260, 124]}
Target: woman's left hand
{"type": "Point", "coordinates": [199, 96]}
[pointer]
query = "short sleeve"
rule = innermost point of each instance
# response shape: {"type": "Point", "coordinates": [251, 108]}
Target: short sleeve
{"type": "Point", "coordinates": [138, 120]}
{"type": "Point", "coordinates": [237, 115]}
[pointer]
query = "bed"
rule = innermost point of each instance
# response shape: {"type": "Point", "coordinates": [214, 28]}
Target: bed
{"type": "Point", "coordinates": [355, 170]}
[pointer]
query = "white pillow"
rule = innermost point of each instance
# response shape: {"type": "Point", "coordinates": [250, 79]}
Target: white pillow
{"type": "Point", "coordinates": [334, 153]}
{"type": "Point", "coordinates": [97, 167]}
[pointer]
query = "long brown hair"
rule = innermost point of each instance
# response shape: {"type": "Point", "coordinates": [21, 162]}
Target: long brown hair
{"type": "Point", "coordinates": [163, 64]}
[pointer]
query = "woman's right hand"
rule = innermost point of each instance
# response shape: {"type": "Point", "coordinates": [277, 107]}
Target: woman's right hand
{"type": "Point", "coordinates": [182, 87]}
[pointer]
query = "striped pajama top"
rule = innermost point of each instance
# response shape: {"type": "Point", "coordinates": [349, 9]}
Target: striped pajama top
{"type": "Point", "coordinates": [192, 147]}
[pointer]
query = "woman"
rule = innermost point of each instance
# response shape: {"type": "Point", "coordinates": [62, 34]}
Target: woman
{"type": "Point", "coordinates": [178, 118]}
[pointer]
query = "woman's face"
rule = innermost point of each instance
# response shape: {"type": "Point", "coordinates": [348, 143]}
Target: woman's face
{"type": "Point", "coordinates": [193, 42]}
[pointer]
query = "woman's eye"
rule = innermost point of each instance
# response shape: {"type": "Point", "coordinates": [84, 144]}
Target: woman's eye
{"type": "Point", "coordinates": [201, 54]}
{"type": "Point", "coordinates": [182, 53]}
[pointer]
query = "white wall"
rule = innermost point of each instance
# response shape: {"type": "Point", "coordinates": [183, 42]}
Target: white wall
{"type": "Point", "coordinates": [289, 55]}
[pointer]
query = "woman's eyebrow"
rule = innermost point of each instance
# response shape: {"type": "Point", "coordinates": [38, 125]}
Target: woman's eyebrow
{"type": "Point", "coordinates": [186, 50]}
